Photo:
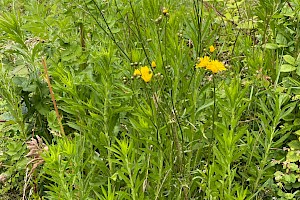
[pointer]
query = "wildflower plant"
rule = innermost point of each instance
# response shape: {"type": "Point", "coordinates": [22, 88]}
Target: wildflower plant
{"type": "Point", "coordinates": [131, 112]}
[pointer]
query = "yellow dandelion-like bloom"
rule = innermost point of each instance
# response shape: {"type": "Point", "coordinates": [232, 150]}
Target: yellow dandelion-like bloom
{"type": "Point", "coordinates": [212, 48]}
{"type": "Point", "coordinates": [203, 62]}
{"type": "Point", "coordinates": [165, 11]}
{"type": "Point", "coordinates": [153, 64]}
{"type": "Point", "coordinates": [215, 66]}
{"type": "Point", "coordinates": [146, 74]}
{"type": "Point", "coordinates": [137, 72]}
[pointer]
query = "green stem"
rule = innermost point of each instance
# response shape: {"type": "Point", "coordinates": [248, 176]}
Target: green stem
{"type": "Point", "coordinates": [213, 125]}
{"type": "Point", "coordinates": [214, 108]}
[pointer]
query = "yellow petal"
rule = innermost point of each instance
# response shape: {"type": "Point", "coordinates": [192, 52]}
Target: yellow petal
{"type": "Point", "coordinates": [215, 66]}
{"type": "Point", "coordinates": [137, 72]}
{"type": "Point", "coordinates": [146, 74]}
{"type": "Point", "coordinates": [153, 64]}
{"type": "Point", "coordinates": [203, 62]}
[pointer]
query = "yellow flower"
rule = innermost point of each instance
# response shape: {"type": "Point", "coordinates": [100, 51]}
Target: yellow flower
{"type": "Point", "coordinates": [165, 11]}
{"type": "Point", "coordinates": [137, 72]}
{"type": "Point", "coordinates": [215, 66]}
{"type": "Point", "coordinates": [203, 62]}
{"type": "Point", "coordinates": [144, 72]}
{"type": "Point", "coordinates": [212, 48]}
{"type": "Point", "coordinates": [153, 64]}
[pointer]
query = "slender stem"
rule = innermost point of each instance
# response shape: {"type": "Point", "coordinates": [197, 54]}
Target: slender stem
{"type": "Point", "coordinates": [110, 33]}
{"type": "Point", "coordinates": [52, 96]}
{"type": "Point", "coordinates": [139, 32]}
{"type": "Point", "coordinates": [213, 125]}
{"type": "Point", "coordinates": [198, 10]}
{"type": "Point", "coordinates": [214, 108]}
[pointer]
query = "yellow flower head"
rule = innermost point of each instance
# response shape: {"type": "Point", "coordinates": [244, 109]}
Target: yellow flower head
{"type": "Point", "coordinates": [215, 66]}
{"type": "Point", "coordinates": [165, 11]}
{"type": "Point", "coordinates": [203, 62]}
{"type": "Point", "coordinates": [153, 64]}
{"type": "Point", "coordinates": [212, 48]}
{"type": "Point", "coordinates": [144, 72]}
{"type": "Point", "coordinates": [137, 72]}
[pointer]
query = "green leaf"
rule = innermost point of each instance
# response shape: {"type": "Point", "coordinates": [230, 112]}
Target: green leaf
{"type": "Point", "coordinates": [296, 185]}
{"type": "Point", "coordinates": [298, 71]}
{"type": "Point", "coordinates": [278, 175]}
{"type": "Point", "coordinates": [280, 39]}
{"type": "Point", "coordinates": [294, 145]}
{"type": "Point", "coordinates": [297, 132]}
{"type": "Point", "coordinates": [115, 30]}
{"type": "Point", "coordinates": [52, 120]}
{"type": "Point", "coordinates": [293, 167]}
{"type": "Point", "coordinates": [289, 195]}
{"type": "Point", "coordinates": [289, 59]}
{"type": "Point", "coordinates": [290, 178]}
{"type": "Point", "coordinates": [287, 68]}
{"type": "Point", "coordinates": [271, 46]}
{"type": "Point", "coordinates": [292, 156]}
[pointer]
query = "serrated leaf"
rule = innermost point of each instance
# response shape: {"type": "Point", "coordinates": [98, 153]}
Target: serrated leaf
{"type": "Point", "coordinates": [52, 120]}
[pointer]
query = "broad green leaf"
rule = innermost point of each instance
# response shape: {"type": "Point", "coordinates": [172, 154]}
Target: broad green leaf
{"type": "Point", "coordinates": [289, 59]}
{"type": "Point", "coordinates": [292, 156]}
{"type": "Point", "coordinates": [280, 39]}
{"type": "Point", "coordinates": [290, 178]}
{"type": "Point", "coordinates": [296, 185]}
{"type": "Point", "coordinates": [294, 145]}
{"type": "Point", "coordinates": [271, 46]}
{"type": "Point", "coordinates": [287, 68]}
{"type": "Point", "coordinates": [278, 175]}
{"type": "Point", "coordinates": [293, 167]}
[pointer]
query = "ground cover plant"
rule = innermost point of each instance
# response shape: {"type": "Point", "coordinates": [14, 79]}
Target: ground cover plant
{"type": "Point", "coordinates": [149, 99]}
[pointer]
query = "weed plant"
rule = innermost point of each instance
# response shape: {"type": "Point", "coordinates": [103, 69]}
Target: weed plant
{"type": "Point", "coordinates": [148, 99]}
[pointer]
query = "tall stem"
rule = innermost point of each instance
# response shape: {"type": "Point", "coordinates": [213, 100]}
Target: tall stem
{"type": "Point", "coordinates": [52, 97]}
{"type": "Point", "coordinates": [214, 108]}
{"type": "Point", "coordinates": [213, 125]}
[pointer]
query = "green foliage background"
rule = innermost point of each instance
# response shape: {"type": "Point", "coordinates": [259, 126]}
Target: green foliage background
{"type": "Point", "coordinates": [187, 134]}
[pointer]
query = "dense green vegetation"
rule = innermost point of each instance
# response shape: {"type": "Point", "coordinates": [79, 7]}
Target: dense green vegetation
{"type": "Point", "coordinates": [149, 99]}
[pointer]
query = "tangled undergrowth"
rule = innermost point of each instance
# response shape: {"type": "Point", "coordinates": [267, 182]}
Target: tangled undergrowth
{"type": "Point", "coordinates": [148, 99]}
